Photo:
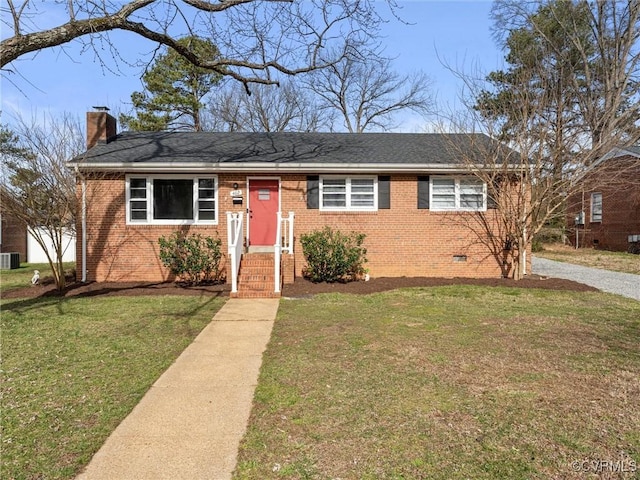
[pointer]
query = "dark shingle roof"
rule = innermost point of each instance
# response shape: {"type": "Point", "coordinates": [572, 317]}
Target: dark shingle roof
{"type": "Point", "coordinates": [635, 149]}
{"type": "Point", "coordinates": [281, 149]}
{"type": "Point", "coordinates": [619, 152]}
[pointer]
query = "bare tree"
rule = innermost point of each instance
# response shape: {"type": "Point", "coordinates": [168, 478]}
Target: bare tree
{"type": "Point", "coordinates": [586, 55]}
{"type": "Point", "coordinates": [551, 108]}
{"type": "Point", "coordinates": [523, 188]}
{"type": "Point", "coordinates": [256, 38]}
{"type": "Point", "coordinates": [366, 93]}
{"type": "Point", "coordinates": [38, 188]}
{"type": "Point", "coordinates": [268, 109]}
{"type": "Point", "coordinates": [515, 179]}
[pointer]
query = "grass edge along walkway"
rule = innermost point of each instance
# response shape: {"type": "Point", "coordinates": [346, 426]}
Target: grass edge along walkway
{"type": "Point", "coordinates": [73, 368]}
{"type": "Point", "coordinates": [446, 383]}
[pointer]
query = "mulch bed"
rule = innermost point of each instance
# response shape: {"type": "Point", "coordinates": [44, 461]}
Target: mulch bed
{"type": "Point", "coordinates": [301, 287]}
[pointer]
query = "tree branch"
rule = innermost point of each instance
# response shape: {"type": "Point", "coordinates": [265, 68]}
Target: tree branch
{"type": "Point", "coordinates": [259, 37]}
{"type": "Point", "coordinates": [19, 45]}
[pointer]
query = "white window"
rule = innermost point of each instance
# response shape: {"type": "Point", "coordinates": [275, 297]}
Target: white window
{"type": "Point", "coordinates": [596, 207]}
{"type": "Point", "coordinates": [457, 194]}
{"type": "Point", "coordinates": [171, 200]}
{"type": "Point", "coordinates": [349, 193]}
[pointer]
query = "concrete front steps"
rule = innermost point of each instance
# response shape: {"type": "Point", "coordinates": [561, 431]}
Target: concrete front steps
{"type": "Point", "coordinates": [256, 279]}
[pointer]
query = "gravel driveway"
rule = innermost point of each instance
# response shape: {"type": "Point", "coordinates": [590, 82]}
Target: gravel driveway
{"type": "Point", "coordinates": [625, 284]}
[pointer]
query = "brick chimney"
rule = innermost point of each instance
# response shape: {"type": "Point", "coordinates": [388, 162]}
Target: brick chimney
{"type": "Point", "coordinates": [101, 127]}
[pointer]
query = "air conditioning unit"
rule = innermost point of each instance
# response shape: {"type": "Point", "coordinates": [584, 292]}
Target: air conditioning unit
{"type": "Point", "coordinates": [9, 261]}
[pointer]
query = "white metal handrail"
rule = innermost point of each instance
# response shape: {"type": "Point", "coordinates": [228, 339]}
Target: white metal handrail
{"type": "Point", "coordinates": [287, 233]}
{"type": "Point", "coordinates": [235, 244]}
{"type": "Point", "coordinates": [284, 242]}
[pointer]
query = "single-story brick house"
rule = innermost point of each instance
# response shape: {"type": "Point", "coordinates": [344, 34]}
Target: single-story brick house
{"type": "Point", "coordinates": [406, 192]}
{"type": "Point", "coordinates": [605, 213]}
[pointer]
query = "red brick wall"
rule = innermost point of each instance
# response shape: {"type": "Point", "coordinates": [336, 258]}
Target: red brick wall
{"type": "Point", "coordinates": [101, 127]}
{"type": "Point", "coordinates": [120, 252]}
{"type": "Point", "coordinates": [620, 190]}
{"type": "Point", "coordinates": [401, 241]}
{"type": "Point", "coordinates": [14, 236]}
{"type": "Point", "coordinates": [288, 268]}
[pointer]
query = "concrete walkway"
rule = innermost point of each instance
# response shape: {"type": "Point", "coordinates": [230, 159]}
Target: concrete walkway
{"type": "Point", "coordinates": [190, 423]}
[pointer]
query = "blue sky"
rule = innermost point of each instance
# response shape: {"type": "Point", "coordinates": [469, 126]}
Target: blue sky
{"type": "Point", "coordinates": [68, 80]}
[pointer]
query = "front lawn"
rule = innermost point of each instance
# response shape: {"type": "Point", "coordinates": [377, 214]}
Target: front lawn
{"type": "Point", "coordinates": [446, 383]}
{"type": "Point", "coordinates": [21, 277]}
{"type": "Point", "coordinates": [590, 257]}
{"type": "Point", "coordinates": [73, 368]}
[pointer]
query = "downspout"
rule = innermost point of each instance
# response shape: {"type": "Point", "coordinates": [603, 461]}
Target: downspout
{"type": "Point", "coordinates": [84, 225]}
{"type": "Point", "coordinates": [524, 253]}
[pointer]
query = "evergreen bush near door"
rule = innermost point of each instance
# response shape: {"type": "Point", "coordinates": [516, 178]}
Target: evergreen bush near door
{"type": "Point", "coordinates": [192, 258]}
{"type": "Point", "coordinates": [333, 256]}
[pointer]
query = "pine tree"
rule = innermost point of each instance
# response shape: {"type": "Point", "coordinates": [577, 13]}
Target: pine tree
{"type": "Point", "coordinates": [576, 65]}
{"type": "Point", "coordinates": [174, 91]}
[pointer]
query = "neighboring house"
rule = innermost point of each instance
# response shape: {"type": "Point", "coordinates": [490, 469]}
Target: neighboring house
{"type": "Point", "coordinates": [606, 212]}
{"type": "Point", "coordinates": [404, 191]}
{"type": "Point", "coordinates": [15, 237]}
{"type": "Point", "coordinates": [13, 232]}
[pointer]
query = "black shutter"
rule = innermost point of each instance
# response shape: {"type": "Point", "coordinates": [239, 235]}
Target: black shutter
{"type": "Point", "coordinates": [423, 192]}
{"type": "Point", "coordinates": [384, 192]}
{"type": "Point", "coordinates": [313, 192]}
{"type": "Point", "coordinates": [492, 194]}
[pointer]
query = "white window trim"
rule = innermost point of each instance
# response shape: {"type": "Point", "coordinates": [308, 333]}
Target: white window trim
{"type": "Point", "coordinates": [591, 215]}
{"type": "Point", "coordinates": [348, 179]}
{"type": "Point", "coordinates": [457, 207]}
{"type": "Point", "coordinates": [150, 220]}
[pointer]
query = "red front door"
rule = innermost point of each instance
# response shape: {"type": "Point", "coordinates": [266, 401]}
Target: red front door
{"type": "Point", "coordinates": [263, 209]}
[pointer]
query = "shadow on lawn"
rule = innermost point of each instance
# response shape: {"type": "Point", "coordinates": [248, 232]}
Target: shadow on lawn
{"type": "Point", "coordinates": [47, 294]}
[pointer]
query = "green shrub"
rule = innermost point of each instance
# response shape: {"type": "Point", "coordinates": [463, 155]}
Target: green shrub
{"type": "Point", "coordinates": [333, 256]}
{"type": "Point", "coordinates": [194, 259]}
{"type": "Point", "coordinates": [549, 235]}
{"type": "Point", "coordinates": [536, 246]}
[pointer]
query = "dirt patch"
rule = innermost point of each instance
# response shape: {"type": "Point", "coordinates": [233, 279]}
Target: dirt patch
{"type": "Point", "coordinates": [301, 287]}
{"type": "Point", "coordinates": [79, 289]}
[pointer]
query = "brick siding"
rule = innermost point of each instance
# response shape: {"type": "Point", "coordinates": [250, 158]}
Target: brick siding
{"type": "Point", "coordinates": [401, 241]}
{"type": "Point", "coordinates": [14, 236]}
{"type": "Point", "coordinates": [619, 184]}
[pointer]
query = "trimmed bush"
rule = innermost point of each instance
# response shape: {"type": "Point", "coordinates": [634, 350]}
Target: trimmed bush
{"type": "Point", "coordinates": [193, 259]}
{"type": "Point", "coordinates": [333, 256]}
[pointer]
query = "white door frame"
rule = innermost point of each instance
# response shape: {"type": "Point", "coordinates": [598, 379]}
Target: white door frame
{"type": "Point", "coordinates": [264, 177]}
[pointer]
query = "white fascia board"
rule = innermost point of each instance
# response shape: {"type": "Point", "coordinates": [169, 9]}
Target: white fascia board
{"type": "Point", "coordinates": [259, 167]}
{"type": "Point", "coordinates": [615, 152]}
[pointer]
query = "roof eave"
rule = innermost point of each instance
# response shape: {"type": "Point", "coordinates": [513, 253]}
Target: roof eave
{"type": "Point", "coordinates": [259, 167]}
{"type": "Point", "coordinates": [616, 152]}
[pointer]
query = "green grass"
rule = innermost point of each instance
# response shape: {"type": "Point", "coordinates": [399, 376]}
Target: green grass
{"type": "Point", "coordinates": [73, 368]}
{"type": "Point", "coordinates": [590, 257]}
{"type": "Point", "coordinates": [21, 277]}
{"type": "Point", "coordinates": [446, 383]}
